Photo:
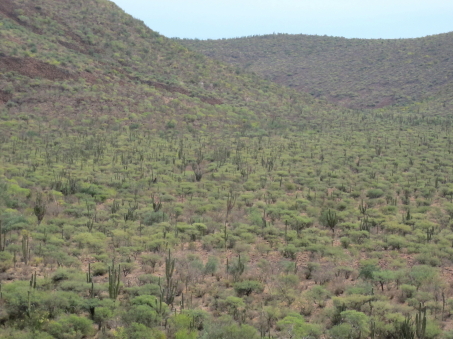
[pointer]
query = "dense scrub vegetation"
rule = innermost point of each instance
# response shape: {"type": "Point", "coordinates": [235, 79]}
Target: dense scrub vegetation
{"type": "Point", "coordinates": [166, 195]}
{"type": "Point", "coordinates": [356, 73]}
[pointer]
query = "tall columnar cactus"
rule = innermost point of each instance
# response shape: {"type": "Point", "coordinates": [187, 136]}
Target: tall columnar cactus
{"type": "Point", "coordinates": [89, 276]}
{"type": "Point", "coordinates": [25, 248]}
{"type": "Point", "coordinates": [169, 292]}
{"type": "Point", "coordinates": [114, 281]}
{"type": "Point", "coordinates": [363, 207]}
{"type": "Point", "coordinates": [92, 302]}
{"type": "Point", "coordinates": [33, 281]}
{"type": "Point", "coordinates": [331, 220]}
{"type": "Point", "coordinates": [420, 322]}
{"type": "Point", "coordinates": [405, 330]}
{"type": "Point", "coordinates": [169, 267]}
{"type": "Point", "coordinates": [231, 202]}
{"type": "Point", "coordinates": [409, 329]}
{"type": "Point", "coordinates": [429, 233]}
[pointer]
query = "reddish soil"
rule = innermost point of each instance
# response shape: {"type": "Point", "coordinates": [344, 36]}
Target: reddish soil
{"type": "Point", "coordinates": [5, 97]}
{"type": "Point", "coordinates": [34, 68]}
{"type": "Point", "coordinates": [212, 101]}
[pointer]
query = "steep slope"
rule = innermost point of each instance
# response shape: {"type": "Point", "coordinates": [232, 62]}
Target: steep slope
{"type": "Point", "coordinates": [357, 73]}
{"type": "Point", "coordinates": [89, 58]}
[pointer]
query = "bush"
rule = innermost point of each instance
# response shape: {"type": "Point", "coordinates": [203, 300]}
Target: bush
{"type": "Point", "coordinates": [248, 287]}
{"type": "Point", "coordinates": [289, 251]}
{"type": "Point", "coordinates": [226, 328]}
{"type": "Point", "coordinates": [375, 193]}
{"type": "Point", "coordinates": [71, 326]}
{"type": "Point", "coordinates": [6, 261]}
{"type": "Point", "coordinates": [345, 242]}
{"type": "Point", "coordinates": [98, 269]}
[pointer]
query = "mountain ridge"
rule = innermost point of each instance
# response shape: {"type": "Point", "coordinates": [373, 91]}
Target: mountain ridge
{"type": "Point", "coordinates": [356, 73]}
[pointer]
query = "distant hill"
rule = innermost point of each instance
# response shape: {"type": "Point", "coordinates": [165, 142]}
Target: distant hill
{"type": "Point", "coordinates": [356, 73]}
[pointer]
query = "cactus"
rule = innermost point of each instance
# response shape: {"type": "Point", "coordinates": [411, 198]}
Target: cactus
{"type": "Point", "coordinates": [225, 235]}
{"type": "Point", "coordinates": [197, 171]}
{"type": "Point", "coordinates": [405, 329]}
{"type": "Point", "coordinates": [429, 234]}
{"type": "Point", "coordinates": [25, 248]}
{"type": "Point", "coordinates": [158, 304]}
{"type": "Point", "coordinates": [331, 220]}
{"type": "Point", "coordinates": [115, 207]}
{"type": "Point", "coordinates": [363, 207]}
{"type": "Point", "coordinates": [169, 267]}
{"type": "Point", "coordinates": [39, 208]}
{"type": "Point", "coordinates": [92, 302]}
{"type": "Point", "coordinates": [171, 285]}
{"type": "Point", "coordinates": [408, 215]}
{"type": "Point", "coordinates": [237, 269]}
{"type": "Point", "coordinates": [365, 225]}
{"type": "Point", "coordinates": [29, 304]}
{"type": "Point", "coordinates": [420, 322]}
{"type": "Point", "coordinates": [90, 223]}
{"type": "Point", "coordinates": [231, 201]}
{"type": "Point", "coordinates": [33, 281]}
{"type": "Point", "coordinates": [409, 329]}
{"type": "Point", "coordinates": [114, 281]}
{"type": "Point", "coordinates": [89, 276]}
{"type": "Point", "coordinates": [182, 302]}
{"type": "Point", "coordinates": [157, 205]}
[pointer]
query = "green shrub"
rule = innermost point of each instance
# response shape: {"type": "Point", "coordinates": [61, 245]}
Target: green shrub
{"type": "Point", "coordinates": [375, 193]}
{"type": "Point", "coordinates": [6, 261]}
{"type": "Point", "coordinates": [248, 287]}
{"type": "Point", "coordinates": [98, 269]}
{"type": "Point", "coordinates": [345, 242]}
{"type": "Point", "coordinates": [71, 327]}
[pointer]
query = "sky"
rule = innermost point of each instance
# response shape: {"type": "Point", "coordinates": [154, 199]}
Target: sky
{"type": "Point", "coordinates": [216, 19]}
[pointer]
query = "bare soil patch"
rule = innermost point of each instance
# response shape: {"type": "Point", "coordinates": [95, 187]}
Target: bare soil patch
{"type": "Point", "coordinates": [5, 97]}
{"type": "Point", "coordinates": [34, 68]}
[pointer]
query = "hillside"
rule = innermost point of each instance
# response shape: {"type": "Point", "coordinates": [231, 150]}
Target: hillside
{"type": "Point", "coordinates": [356, 73]}
{"type": "Point", "coordinates": [92, 49]}
{"type": "Point", "coordinates": [150, 192]}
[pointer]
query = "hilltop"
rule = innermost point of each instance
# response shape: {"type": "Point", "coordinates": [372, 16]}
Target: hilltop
{"type": "Point", "coordinates": [356, 73]}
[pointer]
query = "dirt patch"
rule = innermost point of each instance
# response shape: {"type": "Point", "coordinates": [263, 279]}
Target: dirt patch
{"type": "Point", "coordinates": [5, 97]}
{"type": "Point", "coordinates": [33, 68]}
{"type": "Point", "coordinates": [212, 101]}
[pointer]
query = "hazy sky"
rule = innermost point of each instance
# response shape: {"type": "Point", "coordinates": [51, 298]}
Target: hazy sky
{"type": "Point", "coordinates": [213, 19]}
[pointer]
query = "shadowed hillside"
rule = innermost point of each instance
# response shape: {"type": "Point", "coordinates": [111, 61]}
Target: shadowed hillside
{"type": "Point", "coordinates": [357, 73]}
